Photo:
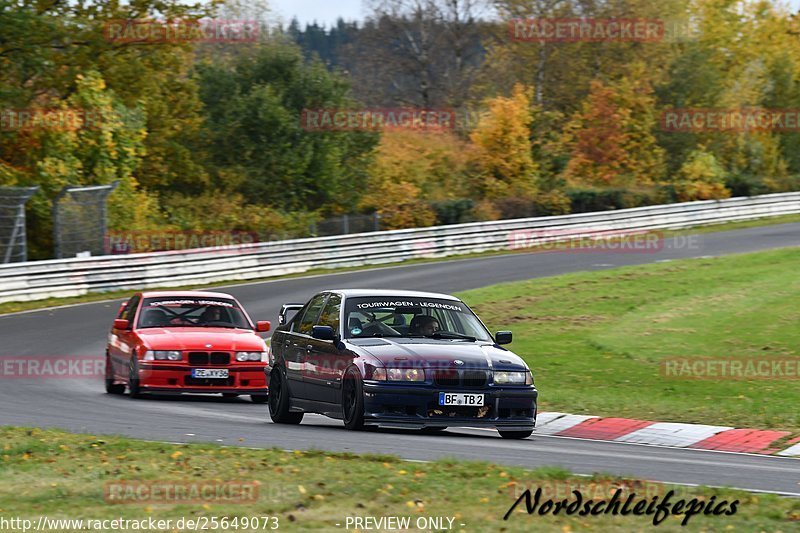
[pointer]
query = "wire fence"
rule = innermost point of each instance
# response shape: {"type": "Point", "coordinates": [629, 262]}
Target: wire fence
{"type": "Point", "coordinates": [13, 239]}
{"type": "Point", "coordinates": [80, 220]}
{"type": "Point", "coordinates": [346, 224]}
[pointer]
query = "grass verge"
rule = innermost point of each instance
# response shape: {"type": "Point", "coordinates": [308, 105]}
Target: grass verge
{"type": "Point", "coordinates": [15, 307]}
{"type": "Point", "coordinates": [595, 340]}
{"type": "Point", "coordinates": [66, 476]}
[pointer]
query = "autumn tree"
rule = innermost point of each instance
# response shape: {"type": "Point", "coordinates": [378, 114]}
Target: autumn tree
{"type": "Point", "coordinates": [502, 149]}
{"type": "Point", "coordinates": [701, 177]}
{"type": "Point", "coordinates": [412, 170]}
{"type": "Point", "coordinates": [611, 139]}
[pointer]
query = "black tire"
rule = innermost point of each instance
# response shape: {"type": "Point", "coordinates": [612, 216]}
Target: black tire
{"type": "Point", "coordinates": [111, 387]}
{"type": "Point", "coordinates": [134, 390]}
{"type": "Point", "coordinates": [353, 400]}
{"type": "Point", "coordinates": [259, 398]}
{"type": "Point", "coordinates": [279, 398]}
{"type": "Point", "coordinates": [515, 434]}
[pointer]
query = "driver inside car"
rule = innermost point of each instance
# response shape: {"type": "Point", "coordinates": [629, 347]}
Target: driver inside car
{"type": "Point", "coordinates": [423, 325]}
{"type": "Point", "coordinates": [211, 314]}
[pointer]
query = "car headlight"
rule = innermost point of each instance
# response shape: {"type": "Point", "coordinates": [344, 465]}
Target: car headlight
{"type": "Point", "coordinates": [405, 374]}
{"type": "Point", "coordinates": [376, 373]}
{"type": "Point", "coordinates": [513, 378]}
{"type": "Point", "coordinates": [162, 355]}
{"type": "Point", "coordinates": [249, 356]}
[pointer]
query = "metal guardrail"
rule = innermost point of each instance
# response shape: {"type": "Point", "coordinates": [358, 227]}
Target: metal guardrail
{"type": "Point", "coordinates": [74, 277]}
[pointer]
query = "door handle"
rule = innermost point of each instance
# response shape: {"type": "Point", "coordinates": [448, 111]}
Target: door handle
{"type": "Point", "coordinates": [309, 348]}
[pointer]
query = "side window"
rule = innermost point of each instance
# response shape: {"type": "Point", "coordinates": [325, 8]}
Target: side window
{"type": "Point", "coordinates": [330, 315]}
{"type": "Point", "coordinates": [306, 324]}
{"type": "Point", "coordinates": [130, 309]}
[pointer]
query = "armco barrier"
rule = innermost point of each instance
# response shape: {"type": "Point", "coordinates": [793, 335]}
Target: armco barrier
{"type": "Point", "coordinates": [73, 277]}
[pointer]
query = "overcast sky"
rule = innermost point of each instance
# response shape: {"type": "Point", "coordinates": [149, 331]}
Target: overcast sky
{"type": "Point", "coordinates": [323, 11]}
{"type": "Point", "coordinates": [327, 11]}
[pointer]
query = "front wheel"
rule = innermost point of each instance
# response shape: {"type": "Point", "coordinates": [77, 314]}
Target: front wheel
{"type": "Point", "coordinates": [134, 389]}
{"type": "Point", "coordinates": [111, 387]}
{"type": "Point", "coordinates": [353, 400]}
{"type": "Point", "coordinates": [515, 434]}
{"type": "Point", "coordinates": [279, 400]}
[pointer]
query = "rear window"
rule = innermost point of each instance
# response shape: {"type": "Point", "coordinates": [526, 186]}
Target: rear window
{"type": "Point", "coordinates": [192, 312]}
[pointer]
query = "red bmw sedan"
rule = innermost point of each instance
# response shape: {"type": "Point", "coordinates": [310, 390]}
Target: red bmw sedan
{"type": "Point", "coordinates": [186, 342]}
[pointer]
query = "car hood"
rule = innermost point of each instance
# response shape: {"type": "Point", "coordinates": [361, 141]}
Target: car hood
{"type": "Point", "coordinates": [220, 339]}
{"type": "Point", "coordinates": [439, 353]}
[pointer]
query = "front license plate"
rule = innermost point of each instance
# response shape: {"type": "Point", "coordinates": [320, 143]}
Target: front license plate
{"type": "Point", "coordinates": [468, 400]}
{"type": "Point", "coordinates": [210, 373]}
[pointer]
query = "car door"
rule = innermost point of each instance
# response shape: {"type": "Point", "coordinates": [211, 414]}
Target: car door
{"type": "Point", "coordinates": [297, 346]}
{"type": "Point", "coordinates": [323, 358]}
{"type": "Point", "coordinates": [123, 341]}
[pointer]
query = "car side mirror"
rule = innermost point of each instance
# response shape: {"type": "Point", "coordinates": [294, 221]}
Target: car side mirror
{"type": "Point", "coordinates": [324, 333]}
{"type": "Point", "coordinates": [285, 309]}
{"type": "Point", "coordinates": [121, 323]}
{"type": "Point", "coordinates": [503, 337]}
{"type": "Point", "coordinates": [263, 325]}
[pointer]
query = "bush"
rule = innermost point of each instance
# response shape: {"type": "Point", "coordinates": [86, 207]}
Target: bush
{"type": "Point", "coordinates": [552, 203]}
{"type": "Point", "coordinates": [593, 199]}
{"type": "Point", "coordinates": [454, 211]}
{"type": "Point", "coordinates": [701, 177]}
{"type": "Point", "coordinates": [543, 204]}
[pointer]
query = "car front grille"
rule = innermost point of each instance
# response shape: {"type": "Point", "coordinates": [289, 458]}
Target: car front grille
{"type": "Point", "coordinates": [206, 358]}
{"type": "Point", "coordinates": [460, 378]}
{"type": "Point", "coordinates": [220, 358]}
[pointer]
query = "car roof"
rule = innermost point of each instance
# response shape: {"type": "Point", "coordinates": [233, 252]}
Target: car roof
{"type": "Point", "coordinates": [357, 293]}
{"type": "Point", "coordinates": [186, 294]}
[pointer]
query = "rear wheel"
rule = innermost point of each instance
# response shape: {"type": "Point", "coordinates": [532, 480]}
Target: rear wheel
{"type": "Point", "coordinates": [515, 434]}
{"type": "Point", "coordinates": [134, 389]}
{"type": "Point", "coordinates": [353, 400]}
{"type": "Point", "coordinates": [279, 400]}
{"type": "Point", "coordinates": [111, 387]}
{"type": "Point", "coordinates": [259, 398]}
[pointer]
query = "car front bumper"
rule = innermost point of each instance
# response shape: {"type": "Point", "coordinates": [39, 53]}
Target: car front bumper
{"type": "Point", "coordinates": [242, 379]}
{"type": "Point", "coordinates": [397, 405]}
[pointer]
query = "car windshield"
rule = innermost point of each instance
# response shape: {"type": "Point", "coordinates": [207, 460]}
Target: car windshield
{"type": "Point", "coordinates": [170, 312]}
{"type": "Point", "coordinates": [412, 317]}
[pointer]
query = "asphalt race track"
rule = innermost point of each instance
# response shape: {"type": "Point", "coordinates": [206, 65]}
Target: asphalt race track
{"type": "Point", "coordinates": [82, 405]}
